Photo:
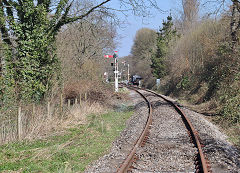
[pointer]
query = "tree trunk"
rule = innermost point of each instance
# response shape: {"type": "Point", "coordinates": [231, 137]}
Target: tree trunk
{"type": "Point", "coordinates": [235, 23]}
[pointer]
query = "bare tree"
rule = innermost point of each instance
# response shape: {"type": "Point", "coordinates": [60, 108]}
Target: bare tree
{"type": "Point", "coordinates": [235, 17]}
{"type": "Point", "coordinates": [85, 42]}
{"type": "Point", "coordinates": [190, 11]}
{"type": "Point", "coordinates": [235, 23]}
{"type": "Point", "coordinates": [30, 26]}
{"type": "Point", "coordinates": [142, 50]}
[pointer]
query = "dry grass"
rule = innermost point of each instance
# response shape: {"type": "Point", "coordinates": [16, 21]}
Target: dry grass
{"type": "Point", "coordinates": [205, 73]}
{"type": "Point", "coordinates": [40, 125]}
{"type": "Point", "coordinates": [70, 151]}
{"type": "Point", "coordinates": [78, 114]}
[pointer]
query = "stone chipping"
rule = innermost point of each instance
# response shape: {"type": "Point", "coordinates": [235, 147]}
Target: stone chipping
{"type": "Point", "coordinates": [110, 162]}
{"type": "Point", "coordinates": [223, 156]}
{"type": "Point", "coordinates": [168, 148]}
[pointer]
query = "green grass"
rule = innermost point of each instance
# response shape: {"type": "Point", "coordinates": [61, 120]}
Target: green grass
{"type": "Point", "coordinates": [70, 152]}
{"type": "Point", "coordinates": [123, 90]}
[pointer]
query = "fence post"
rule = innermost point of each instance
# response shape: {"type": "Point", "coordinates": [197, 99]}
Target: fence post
{"type": "Point", "coordinates": [69, 103]}
{"type": "Point", "coordinates": [19, 123]}
{"type": "Point", "coordinates": [80, 99]}
{"type": "Point", "coordinates": [61, 103]}
{"type": "Point", "coordinates": [85, 96]}
{"type": "Point", "coordinates": [75, 101]}
{"type": "Point", "coordinates": [48, 110]}
{"type": "Point", "coordinates": [33, 110]}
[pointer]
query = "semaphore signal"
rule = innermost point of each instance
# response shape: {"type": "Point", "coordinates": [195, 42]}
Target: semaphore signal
{"type": "Point", "coordinates": [115, 56]}
{"type": "Point", "coordinates": [108, 56]}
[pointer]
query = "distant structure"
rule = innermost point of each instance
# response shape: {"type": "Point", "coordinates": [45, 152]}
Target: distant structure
{"type": "Point", "coordinates": [136, 80]}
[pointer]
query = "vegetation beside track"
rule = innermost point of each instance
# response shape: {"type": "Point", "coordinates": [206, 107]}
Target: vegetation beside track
{"type": "Point", "coordinates": [210, 79]}
{"type": "Point", "coordinates": [70, 152]}
{"type": "Point", "coordinates": [198, 61]}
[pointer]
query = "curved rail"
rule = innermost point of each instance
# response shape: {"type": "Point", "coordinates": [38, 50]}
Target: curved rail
{"type": "Point", "coordinates": [203, 162]}
{"type": "Point", "coordinates": [204, 165]}
{"type": "Point", "coordinates": [127, 163]}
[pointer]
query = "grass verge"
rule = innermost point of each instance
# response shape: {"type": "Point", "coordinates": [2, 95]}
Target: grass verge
{"type": "Point", "coordinates": [231, 130]}
{"type": "Point", "coordinates": [70, 152]}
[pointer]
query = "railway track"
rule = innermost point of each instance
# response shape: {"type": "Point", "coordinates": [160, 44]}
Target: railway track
{"type": "Point", "coordinates": [165, 138]}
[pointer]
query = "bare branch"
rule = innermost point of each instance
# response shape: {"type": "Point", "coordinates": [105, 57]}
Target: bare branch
{"type": "Point", "coordinates": [8, 8]}
{"type": "Point", "coordinates": [69, 20]}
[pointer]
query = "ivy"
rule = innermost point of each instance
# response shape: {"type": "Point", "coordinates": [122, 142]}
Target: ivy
{"type": "Point", "coordinates": [30, 66]}
{"type": "Point", "coordinates": [28, 29]}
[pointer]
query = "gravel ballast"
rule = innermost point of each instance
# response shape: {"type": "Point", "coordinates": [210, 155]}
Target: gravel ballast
{"type": "Point", "coordinates": [223, 156]}
{"type": "Point", "coordinates": [168, 148]}
{"type": "Point", "coordinates": [123, 145]}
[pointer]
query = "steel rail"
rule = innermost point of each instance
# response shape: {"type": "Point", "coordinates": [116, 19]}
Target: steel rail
{"type": "Point", "coordinates": [192, 130]}
{"type": "Point", "coordinates": [128, 161]}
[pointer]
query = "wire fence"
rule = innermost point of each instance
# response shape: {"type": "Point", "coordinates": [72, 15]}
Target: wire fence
{"type": "Point", "coordinates": [28, 121]}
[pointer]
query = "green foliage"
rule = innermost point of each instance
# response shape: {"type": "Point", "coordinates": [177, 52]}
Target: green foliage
{"type": "Point", "coordinates": [30, 67]}
{"type": "Point", "coordinates": [184, 83]}
{"type": "Point", "coordinates": [165, 35]}
{"type": "Point", "coordinates": [35, 53]}
{"type": "Point", "coordinates": [7, 81]}
{"type": "Point", "coordinates": [69, 152]}
{"type": "Point", "coordinates": [230, 97]}
{"type": "Point", "coordinates": [29, 28]}
{"type": "Point", "coordinates": [204, 69]}
{"type": "Point", "coordinates": [231, 109]}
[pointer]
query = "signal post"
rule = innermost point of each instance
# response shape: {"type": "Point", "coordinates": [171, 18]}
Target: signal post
{"type": "Point", "coordinates": [115, 56]}
{"type": "Point", "coordinates": [116, 70]}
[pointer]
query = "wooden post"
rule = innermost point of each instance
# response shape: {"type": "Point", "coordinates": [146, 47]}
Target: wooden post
{"type": "Point", "coordinates": [102, 125]}
{"type": "Point", "coordinates": [48, 110]}
{"type": "Point", "coordinates": [80, 99]}
{"type": "Point", "coordinates": [69, 101]}
{"type": "Point", "coordinates": [33, 110]}
{"type": "Point", "coordinates": [19, 123]}
{"type": "Point", "coordinates": [61, 103]}
{"type": "Point", "coordinates": [85, 96]}
{"type": "Point", "coordinates": [75, 101]}
{"type": "Point", "coordinates": [2, 134]}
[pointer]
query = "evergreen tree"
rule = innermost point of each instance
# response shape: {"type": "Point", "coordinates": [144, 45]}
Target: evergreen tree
{"type": "Point", "coordinates": [165, 35]}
